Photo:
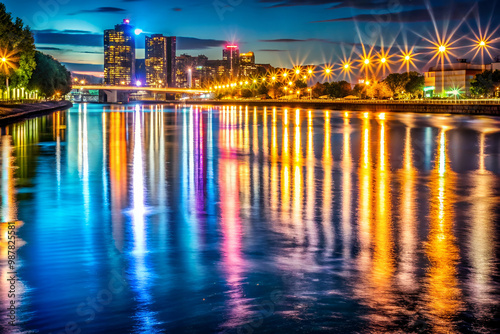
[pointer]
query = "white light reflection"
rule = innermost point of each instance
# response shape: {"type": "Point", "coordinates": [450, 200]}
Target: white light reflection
{"type": "Point", "coordinates": [141, 272]}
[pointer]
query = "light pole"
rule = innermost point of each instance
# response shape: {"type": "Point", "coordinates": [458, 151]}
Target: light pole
{"type": "Point", "coordinates": [190, 77]}
{"type": "Point", "coordinates": [4, 64]}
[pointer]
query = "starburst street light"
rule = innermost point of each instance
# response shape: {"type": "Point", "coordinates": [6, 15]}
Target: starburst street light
{"type": "Point", "coordinates": [407, 58]}
{"type": "Point", "coordinates": [483, 39]}
{"type": "Point", "coordinates": [366, 64]}
{"type": "Point", "coordinates": [8, 62]}
{"type": "Point", "coordinates": [384, 59]}
{"type": "Point", "coordinates": [297, 71]}
{"type": "Point", "coordinates": [327, 71]}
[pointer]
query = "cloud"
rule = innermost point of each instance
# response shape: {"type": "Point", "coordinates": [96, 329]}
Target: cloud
{"type": "Point", "coordinates": [358, 4]}
{"type": "Point", "coordinates": [290, 3]}
{"type": "Point", "coordinates": [272, 50]}
{"type": "Point", "coordinates": [69, 37]}
{"type": "Point", "coordinates": [112, 10]}
{"type": "Point", "coordinates": [191, 43]}
{"type": "Point", "coordinates": [84, 67]}
{"type": "Point", "coordinates": [88, 38]}
{"type": "Point", "coordinates": [416, 15]}
{"type": "Point", "coordinates": [293, 40]}
{"type": "Point", "coordinates": [377, 4]}
{"type": "Point", "coordinates": [48, 48]}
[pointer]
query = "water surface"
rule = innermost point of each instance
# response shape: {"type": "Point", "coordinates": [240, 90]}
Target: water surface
{"type": "Point", "coordinates": [150, 219]}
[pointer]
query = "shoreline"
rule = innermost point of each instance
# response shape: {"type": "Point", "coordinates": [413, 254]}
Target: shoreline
{"type": "Point", "coordinates": [462, 107]}
{"type": "Point", "coordinates": [10, 113]}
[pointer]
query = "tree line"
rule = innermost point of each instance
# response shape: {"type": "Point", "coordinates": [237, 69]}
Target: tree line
{"type": "Point", "coordinates": [395, 85]}
{"type": "Point", "coordinates": [27, 67]}
{"type": "Point", "coordinates": [486, 84]}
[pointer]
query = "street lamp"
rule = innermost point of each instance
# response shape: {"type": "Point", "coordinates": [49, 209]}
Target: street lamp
{"type": "Point", "coordinates": [7, 62]}
{"type": "Point", "coordinates": [4, 64]}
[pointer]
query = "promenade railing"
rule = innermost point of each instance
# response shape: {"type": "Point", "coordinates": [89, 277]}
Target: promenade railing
{"type": "Point", "coordinates": [368, 101]}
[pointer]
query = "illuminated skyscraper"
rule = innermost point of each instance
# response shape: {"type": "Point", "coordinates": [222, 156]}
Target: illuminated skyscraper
{"type": "Point", "coordinates": [156, 61]}
{"type": "Point", "coordinates": [119, 54]}
{"type": "Point", "coordinates": [160, 60]}
{"type": "Point", "coordinates": [247, 64]}
{"type": "Point", "coordinates": [171, 70]}
{"type": "Point", "coordinates": [231, 56]}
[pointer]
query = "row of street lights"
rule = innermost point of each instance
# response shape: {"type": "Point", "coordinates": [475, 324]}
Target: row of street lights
{"type": "Point", "coordinates": [441, 51]}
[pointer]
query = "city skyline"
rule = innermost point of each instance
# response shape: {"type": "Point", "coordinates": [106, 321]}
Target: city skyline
{"type": "Point", "coordinates": [280, 33]}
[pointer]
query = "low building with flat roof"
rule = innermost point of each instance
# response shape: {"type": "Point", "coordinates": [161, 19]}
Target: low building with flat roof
{"type": "Point", "coordinates": [455, 78]}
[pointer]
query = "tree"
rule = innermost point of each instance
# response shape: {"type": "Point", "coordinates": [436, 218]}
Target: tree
{"type": "Point", "coordinates": [396, 82]}
{"type": "Point", "coordinates": [379, 90]}
{"type": "Point", "coordinates": [344, 88]}
{"type": "Point", "coordinates": [359, 90]}
{"type": "Point", "coordinates": [262, 90]}
{"type": "Point", "coordinates": [17, 40]}
{"type": "Point", "coordinates": [300, 84]}
{"type": "Point", "coordinates": [484, 84]}
{"type": "Point", "coordinates": [415, 84]}
{"type": "Point", "coordinates": [318, 90]}
{"type": "Point", "coordinates": [246, 93]}
{"type": "Point", "coordinates": [50, 77]}
{"type": "Point", "coordinates": [332, 89]}
{"type": "Point", "coordinates": [405, 85]}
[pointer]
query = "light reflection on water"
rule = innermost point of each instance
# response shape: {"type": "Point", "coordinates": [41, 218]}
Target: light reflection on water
{"type": "Point", "coordinates": [244, 219]}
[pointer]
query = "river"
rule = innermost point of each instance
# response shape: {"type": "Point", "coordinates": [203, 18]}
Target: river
{"type": "Point", "coordinates": [203, 219]}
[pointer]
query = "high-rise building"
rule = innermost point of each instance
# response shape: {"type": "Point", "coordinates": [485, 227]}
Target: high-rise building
{"type": "Point", "coordinates": [247, 64]}
{"type": "Point", "coordinates": [156, 60]}
{"type": "Point", "coordinates": [194, 71]}
{"type": "Point", "coordinates": [160, 60]}
{"type": "Point", "coordinates": [171, 70]}
{"type": "Point", "coordinates": [231, 57]}
{"type": "Point", "coordinates": [119, 55]}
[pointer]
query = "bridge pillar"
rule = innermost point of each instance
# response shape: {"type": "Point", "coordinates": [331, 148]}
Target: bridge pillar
{"type": "Point", "coordinates": [114, 96]}
{"type": "Point", "coordinates": [110, 96]}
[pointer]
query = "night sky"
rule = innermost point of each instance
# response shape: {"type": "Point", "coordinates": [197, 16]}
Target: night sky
{"type": "Point", "coordinates": [280, 32]}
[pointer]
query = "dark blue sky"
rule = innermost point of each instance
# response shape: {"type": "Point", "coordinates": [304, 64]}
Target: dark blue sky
{"type": "Point", "coordinates": [280, 32]}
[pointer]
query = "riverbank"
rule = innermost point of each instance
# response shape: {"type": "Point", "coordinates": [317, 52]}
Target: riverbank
{"type": "Point", "coordinates": [467, 107]}
{"type": "Point", "coordinates": [14, 112]}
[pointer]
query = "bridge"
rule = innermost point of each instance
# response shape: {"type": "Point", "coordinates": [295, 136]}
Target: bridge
{"type": "Point", "coordinates": [115, 94]}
